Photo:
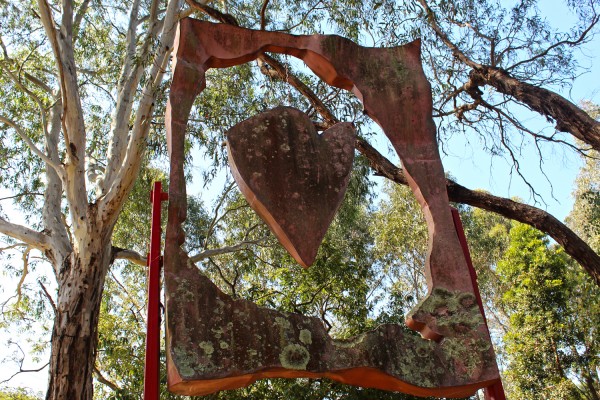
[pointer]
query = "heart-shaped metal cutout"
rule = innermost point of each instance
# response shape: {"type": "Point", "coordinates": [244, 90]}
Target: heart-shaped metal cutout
{"type": "Point", "coordinates": [294, 178]}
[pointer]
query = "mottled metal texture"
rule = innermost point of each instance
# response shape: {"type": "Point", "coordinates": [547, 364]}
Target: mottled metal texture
{"type": "Point", "coordinates": [217, 343]}
{"type": "Point", "coordinates": [395, 93]}
{"type": "Point", "coordinates": [292, 177]}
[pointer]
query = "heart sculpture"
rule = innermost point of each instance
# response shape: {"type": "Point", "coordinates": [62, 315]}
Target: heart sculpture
{"type": "Point", "coordinates": [294, 178]}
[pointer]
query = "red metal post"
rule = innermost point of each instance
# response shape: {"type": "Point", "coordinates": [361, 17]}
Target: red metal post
{"type": "Point", "coordinates": [152, 364]}
{"type": "Point", "coordinates": [495, 391]}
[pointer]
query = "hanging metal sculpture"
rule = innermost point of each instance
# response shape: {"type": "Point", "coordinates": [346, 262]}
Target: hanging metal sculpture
{"type": "Point", "coordinates": [292, 177]}
{"type": "Point", "coordinates": [295, 180]}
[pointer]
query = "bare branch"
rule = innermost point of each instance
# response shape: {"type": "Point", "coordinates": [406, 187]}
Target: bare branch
{"type": "Point", "coordinates": [13, 246]}
{"type": "Point", "coordinates": [220, 271]}
{"type": "Point", "coordinates": [58, 168]}
{"type": "Point", "coordinates": [442, 35]}
{"type": "Point", "coordinates": [25, 258]}
{"type": "Point", "coordinates": [216, 218]}
{"type": "Point", "coordinates": [105, 381]}
{"type": "Point", "coordinates": [131, 298]}
{"type": "Point", "coordinates": [129, 255]}
{"type": "Point", "coordinates": [21, 369]}
{"type": "Point", "coordinates": [47, 295]}
{"type": "Point", "coordinates": [79, 17]}
{"type": "Point", "coordinates": [582, 37]}
{"type": "Point", "coordinates": [21, 195]}
{"type": "Point", "coordinates": [263, 10]}
{"type": "Point", "coordinates": [33, 238]}
{"type": "Point", "coordinates": [539, 219]}
{"type": "Point", "coordinates": [225, 250]}
{"type": "Point", "coordinates": [304, 17]}
{"type": "Point", "coordinates": [568, 116]}
{"type": "Point", "coordinates": [4, 50]}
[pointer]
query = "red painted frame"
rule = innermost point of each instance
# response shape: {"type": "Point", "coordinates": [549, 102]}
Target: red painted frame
{"type": "Point", "coordinates": [496, 391]}
{"type": "Point", "coordinates": [152, 362]}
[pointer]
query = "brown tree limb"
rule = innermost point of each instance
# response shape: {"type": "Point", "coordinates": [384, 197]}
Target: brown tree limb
{"type": "Point", "coordinates": [47, 295]}
{"type": "Point", "coordinates": [105, 381]}
{"type": "Point", "coordinates": [533, 216]}
{"type": "Point", "coordinates": [567, 116]}
{"type": "Point", "coordinates": [263, 11]}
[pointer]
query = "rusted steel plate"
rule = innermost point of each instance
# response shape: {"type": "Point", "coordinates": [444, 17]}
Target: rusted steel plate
{"type": "Point", "coordinates": [217, 343]}
{"type": "Point", "coordinates": [292, 177]}
{"type": "Point", "coordinates": [395, 93]}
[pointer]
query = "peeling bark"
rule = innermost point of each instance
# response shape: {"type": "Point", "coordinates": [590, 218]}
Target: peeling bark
{"type": "Point", "coordinates": [75, 332]}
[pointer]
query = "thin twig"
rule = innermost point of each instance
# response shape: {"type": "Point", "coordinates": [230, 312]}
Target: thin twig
{"type": "Point", "coordinates": [47, 295]}
{"type": "Point", "coordinates": [263, 10]}
{"type": "Point", "coordinates": [21, 370]}
{"type": "Point", "coordinates": [58, 168]}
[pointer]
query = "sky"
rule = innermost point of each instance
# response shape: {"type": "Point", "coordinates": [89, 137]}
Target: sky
{"type": "Point", "coordinates": [464, 161]}
{"type": "Point", "coordinates": [476, 170]}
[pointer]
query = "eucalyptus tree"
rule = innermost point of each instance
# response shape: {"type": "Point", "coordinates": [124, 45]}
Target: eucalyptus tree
{"type": "Point", "coordinates": [552, 342]}
{"type": "Point", "coordinates": [80, 82]}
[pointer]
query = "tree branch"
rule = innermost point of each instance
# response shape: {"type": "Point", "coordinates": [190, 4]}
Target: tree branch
{"type": "Point", "coordinates": [568, 116]}
{"type": "Point", "coordinates": [25, 258]}
{"type": "Point", "coordinates": [58, 168]}
{"type": "Point", "coordinates": [129, 255]}
{"type": "Point", "coordinates": [263, 10]}
{"type": "Point", "coordinates": [105, 381]}
{"type": "Point", "coordinates": [225, 250]}
{"type": "Point", "coordinates": [21, 369]}
{"type": "Point", "coordinates": [582, 37]}
{"type": "Point", "coordinates": [539, 219]}
{"type": "Point", "coordinates": [79, 17]}
{"type": "Point", "coordinates": [47, 295]}
{"type": "Point", "coordinates": [72, 116]}
{"type": "Point", "coordinates": [131, 74]}
{"type": "Point", "coordinates": [431, 17]}
{"type": "Point", "coordinates": [119, 188]}
{"type": "Point", "coordinates": [52, 215]}
{"type": "Point", "coordinates": [33, 238]}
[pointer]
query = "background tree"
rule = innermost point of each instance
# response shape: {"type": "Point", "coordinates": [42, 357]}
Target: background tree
{"type": "Point", "coordinates": [552, 341]}
{"type": "Point", "coordinates": [83, 85]}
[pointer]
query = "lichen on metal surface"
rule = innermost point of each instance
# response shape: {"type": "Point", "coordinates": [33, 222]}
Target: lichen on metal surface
{"type": "Point", "coordinates": [215, 342]}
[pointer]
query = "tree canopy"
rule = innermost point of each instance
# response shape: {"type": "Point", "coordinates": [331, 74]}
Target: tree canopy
{"type": "Point", "coordinates": [83, 86]}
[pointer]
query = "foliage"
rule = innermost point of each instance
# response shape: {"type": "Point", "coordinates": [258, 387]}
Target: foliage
{"type": "Point", "coordinates": [401, 248]}
{"type": "Point", "coordinates": [552, 341]}
{"type": "Point", "coordinates": [19, 394]}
